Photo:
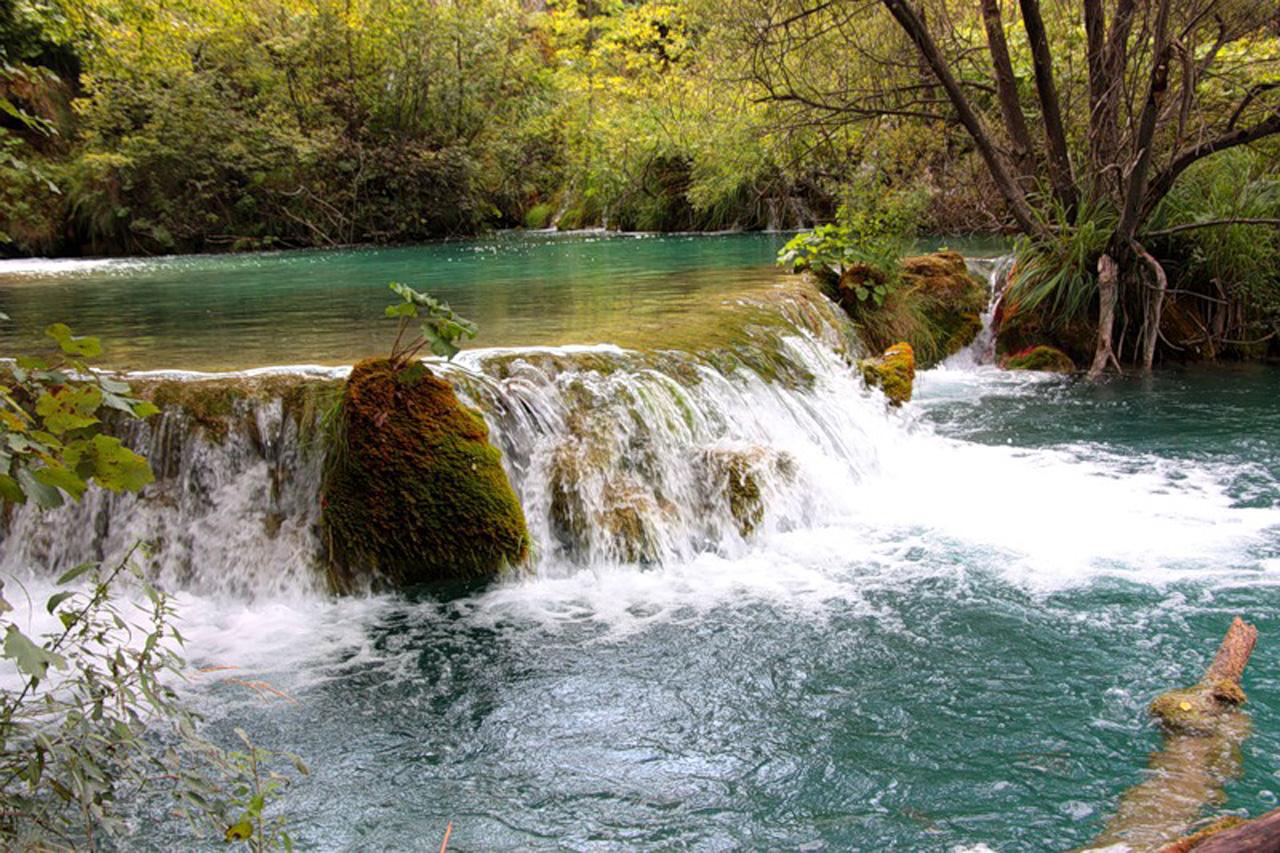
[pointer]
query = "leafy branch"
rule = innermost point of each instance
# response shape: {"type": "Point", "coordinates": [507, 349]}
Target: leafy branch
{"type": "Point", "coordinates": [440, 328]}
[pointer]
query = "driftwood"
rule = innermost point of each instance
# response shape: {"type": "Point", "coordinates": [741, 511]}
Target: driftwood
{"type": "Point", "coordinates": [1261, 835]}
{"type": "Point", "coordinates": [1203, 730]}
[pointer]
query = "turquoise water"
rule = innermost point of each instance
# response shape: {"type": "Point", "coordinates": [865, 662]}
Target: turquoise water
{"type": "Point", "coordinates": [930, 677]}
{"type": "Point", "coordinates": [210, 312]}
{"type": "Point", "coordinates": [949, 642]}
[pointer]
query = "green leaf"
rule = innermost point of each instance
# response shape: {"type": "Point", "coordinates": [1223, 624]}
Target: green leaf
{"type": "Point", "coordinates": [241, 830]}
{"type": "Point", "coordinates": [71, 574]}
{"type": "Point", "coordinates": [61, 478]}
{"type": "Point", "coordinates": [69, 408]}
{"type": "Point", "coordinates": [118, 468]}
{"type": "Point", "coordinates": [402, 309]}
{"type": "Point", "coordinates": [46, 497]}
{"type": "Point", "coordinates": [11, 491]}
{"type": "Point", "coordinates": [30, 658]}
{"type": "Point", "coordinates": [56, 599]}
{"type": "Point", "coordinates": [88, 347]}
{"type": "Point", "coordinates": [145, 409]}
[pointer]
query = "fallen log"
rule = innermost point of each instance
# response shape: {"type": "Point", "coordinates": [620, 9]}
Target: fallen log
{"type": "Point", "coordinates": [1261, 835]}
{"type": "Point", "coordinates": [1203, 729]}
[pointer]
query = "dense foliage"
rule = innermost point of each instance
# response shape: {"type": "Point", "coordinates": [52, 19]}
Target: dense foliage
{"type": "Point", "coordinates": [92, 726]}
{"type": "Point", "coordinates": [140, 126]}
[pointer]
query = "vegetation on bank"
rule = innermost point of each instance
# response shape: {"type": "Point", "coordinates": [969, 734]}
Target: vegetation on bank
{"type": "Point", "coordinates": [92, 726]}
{"type": "Point", "coordinates": [1132, 146]}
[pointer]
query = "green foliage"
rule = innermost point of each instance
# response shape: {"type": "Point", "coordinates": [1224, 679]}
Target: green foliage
{"type": "Point", "coordinates": [1240, 262]}
{"type": "Point", "coordinates": [440, 329]}
{"type": "Point", "coordinates": [81, 746]}
{"type": "Point", "coordinates": [51, 411]}
{"type": "Point", "coordinates": [97, 724]}
{"type": "Point", "coordinates": [869, 238]}
{"type": "Point", "coordinates": [1058, 274]}
{"type": "Point", "coordinates": [538, 216]}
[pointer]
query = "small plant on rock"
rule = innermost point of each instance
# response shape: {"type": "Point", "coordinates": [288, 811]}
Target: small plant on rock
{"type": "Point", "coordinates": [440, 328]}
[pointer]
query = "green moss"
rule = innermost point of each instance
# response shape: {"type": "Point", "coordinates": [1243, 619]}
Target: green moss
{"type": "Point", "coordinates": [936, 306]}
{"type": "Point", "coordinates": [219, 404]}
{"type": "Point", "coordinates": [893, 373]}
{"type": "Point", "coordinates": [1046, 358]}
{"type": "Point", "coordinates": [538, 216]}
{"type": "Point", "coordinates": [413, 490]}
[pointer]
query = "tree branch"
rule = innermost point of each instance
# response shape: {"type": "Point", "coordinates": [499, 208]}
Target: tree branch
{"type": "Point", "coordinates": [1211, 223]}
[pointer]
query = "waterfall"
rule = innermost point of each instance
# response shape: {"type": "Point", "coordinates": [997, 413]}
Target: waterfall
{"type": "Point", "coordinates": [983, 348]}
{"type": "Point", "coordinates": [618, 457]}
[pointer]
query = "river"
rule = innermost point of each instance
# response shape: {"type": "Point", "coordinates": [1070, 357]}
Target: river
{"type": "Point", "coordinates": [942, 633]}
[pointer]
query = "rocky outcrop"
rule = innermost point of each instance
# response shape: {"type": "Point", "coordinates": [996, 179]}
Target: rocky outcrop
{"type": "Point", "coordinates": [894, 372]}
{"type": "Point", "coordinates": [1045, 358]}
{"type": "Point", "coordinates": [413, 491]}
{"type": "Point", "coordinates": [935, 305]}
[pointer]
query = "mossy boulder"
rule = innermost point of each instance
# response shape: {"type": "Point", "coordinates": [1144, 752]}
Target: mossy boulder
{"type": "Point", "coordinates": [936, 305]}
{"type": "Point", "coordinates": [1042, 357]}
{"type": "Point", "coordinates": [413, 490]}
{"type": "Point", "coordinates": [950, 299]}
{"type": "Point", "coordinates": [894, 373]}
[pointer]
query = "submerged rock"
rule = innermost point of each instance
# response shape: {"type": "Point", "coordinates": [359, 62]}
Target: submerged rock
{"type": "Point", "coordinates": [893, 373]}
{"type": "Point", "coordinates": [1042, 357]}
{"type": "Point", "coordinates": [413, 490]}
{"type": "Point", "coordinates": [736, 479]}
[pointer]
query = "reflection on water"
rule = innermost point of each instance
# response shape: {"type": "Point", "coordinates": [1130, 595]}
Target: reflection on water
{"type": "Point", "coordinates": [236, 311]}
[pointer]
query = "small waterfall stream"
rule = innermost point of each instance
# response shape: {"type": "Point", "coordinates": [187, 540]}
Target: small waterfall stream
{"type": "Point", "coordinates": [618, 457]}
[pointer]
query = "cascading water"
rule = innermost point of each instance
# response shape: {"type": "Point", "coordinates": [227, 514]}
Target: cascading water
{"type": "Point", "coordinates": [982, 350]}
{"type": "Point", "coordinates": [766, 610]}
{"type": "Point", "coordinates": [619, 457]}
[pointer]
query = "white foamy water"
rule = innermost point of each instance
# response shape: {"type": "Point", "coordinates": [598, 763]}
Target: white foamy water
{"type": "Point", "coordinates": [625, 464]}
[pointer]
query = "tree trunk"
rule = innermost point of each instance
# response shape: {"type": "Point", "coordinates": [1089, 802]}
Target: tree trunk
{"type": "Point", "coordinates": [1015, 122]}
{"type": "Point", "coordinates": [905, 14]}
{"type": "Point", "coordinates": [1108, 293]}
{"type": "Point", "coordinates": [1203, 731]}
{"type": "Point", "coordinates": [1154, 308]}
{"type": "Point", "coordinates": [1060, 173]}
{"type": "Point", "coordinates": [1261, 835]}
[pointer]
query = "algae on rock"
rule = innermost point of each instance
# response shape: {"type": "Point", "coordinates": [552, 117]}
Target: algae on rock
{"type": "Point", "coordinates": [413, 490]}
{"type": "Point", "coordinates": [894, 372]}
{"type": "Point", "coordinates": [1042, 357]}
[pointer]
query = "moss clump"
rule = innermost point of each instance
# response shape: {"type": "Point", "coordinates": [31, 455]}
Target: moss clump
{"type": "Point", "coordinates": [413, 490]}
{"type": "Point", "coordinates": [1198, 709]}
{"type": "Point", "coordinates": [894, 373]}
{"type": "Point", "coordinates": [936, 305]}
{"type": "Point", "coordinates": [1042, 357]}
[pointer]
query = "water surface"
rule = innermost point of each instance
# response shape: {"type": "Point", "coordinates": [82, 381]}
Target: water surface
{"type": "Point", "coordinates": [224, 312]}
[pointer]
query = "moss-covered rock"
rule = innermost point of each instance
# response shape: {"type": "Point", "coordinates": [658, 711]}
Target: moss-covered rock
{"type": "Point", "coordinates": [1042, 357]}
{"type": "Point", "coordinates": [936, 306]}
{"type": "Point", "coordinates": [893, 373]}
{"type": "Point", "coordinates": [413, 490]}
{"type": "Point", "coordinates": [736, 478]}
{"type": "Point", "coordinates": [220, 404]}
